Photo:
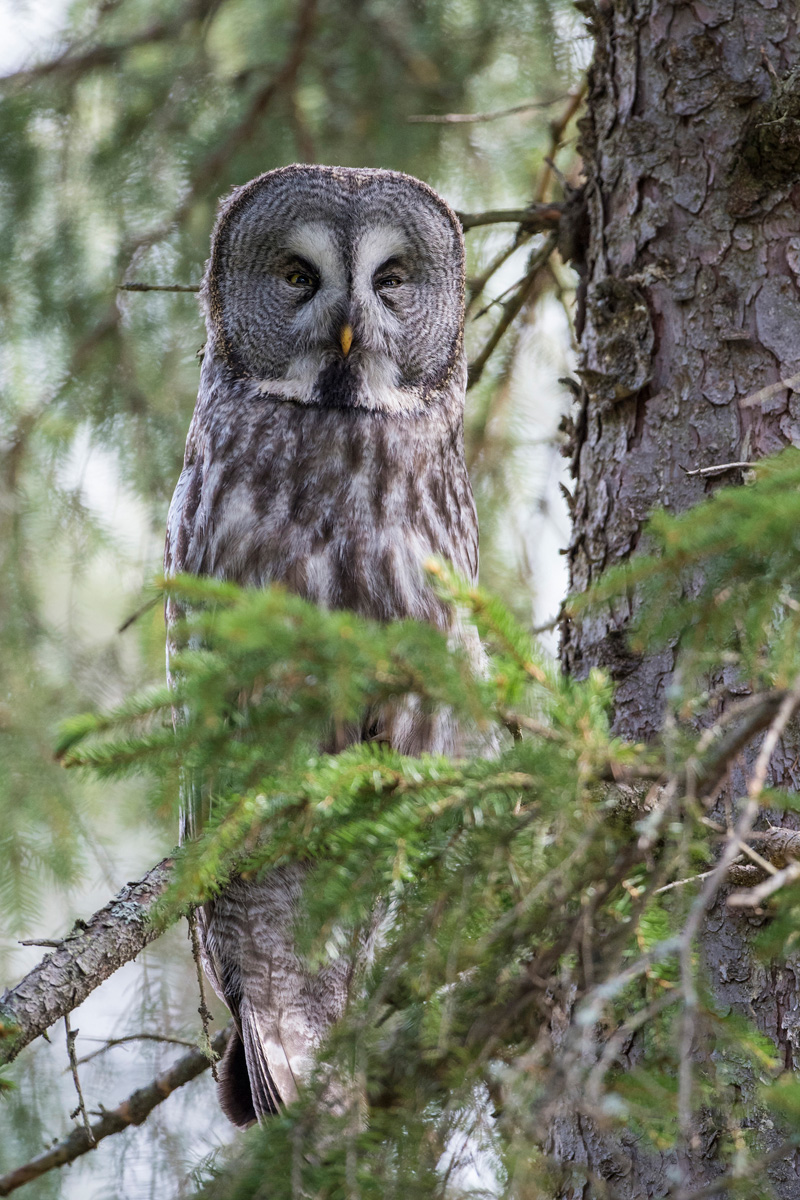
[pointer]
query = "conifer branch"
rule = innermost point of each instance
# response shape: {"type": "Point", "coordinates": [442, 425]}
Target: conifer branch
{"type": "Point", "coordinates": [133, 1111]}
{"type": "Point", "coordinates": [93, 951]}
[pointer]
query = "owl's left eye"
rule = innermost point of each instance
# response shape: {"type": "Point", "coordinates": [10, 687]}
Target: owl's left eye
{"type": "Point", "coordinates": [388, 282]}
{"type": "Point", "coordinates": [300, 279]}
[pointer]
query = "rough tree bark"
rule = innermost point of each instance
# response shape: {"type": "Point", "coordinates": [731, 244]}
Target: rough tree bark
{"type": "Point", "coordinates": [86, 957]}
{"type": "Point", "coordinates": [692, 159]}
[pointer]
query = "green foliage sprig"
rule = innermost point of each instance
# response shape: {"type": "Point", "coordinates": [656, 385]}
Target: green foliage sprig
{"type": "Point", "coordinates": [532, 901]}
{"type": "Point", "coordinates": [723, 580]}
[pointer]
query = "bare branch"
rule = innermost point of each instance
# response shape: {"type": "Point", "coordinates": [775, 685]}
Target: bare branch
{"type": "Point", "coordinates": [536, 218]}
{"type": "Point", "coordinates": [753, 897]}
{"type": "Point", "coordinates": [89, 954]}
{"type": "Point", "coordinates": [512, 307]}
{"type": "Point", "coordinates": [133, 1111]}
{"type": "Point", "coordinates": [110, 1043]}
{"type": "Point", "coordinates": [215, 163]}
{"type": "Point", "coordinates": [480, 118]}
{"type": "Point", "coordinates": [158, 287]}
{"type": "Point", "coordinates": [557, 131]}
{"type": "Point", "coordinates": [203, 1010]}
{"type": "Point", "coordinates": [778, 845]}
{"type": "Point", "coordinates": [771, 389]}
{"type": "Point", "coordinates": [759, 712]}
{"type": "Point", "coordinates": [76, 1079]}
{"type": "Point", "coordinates": [719, 469]}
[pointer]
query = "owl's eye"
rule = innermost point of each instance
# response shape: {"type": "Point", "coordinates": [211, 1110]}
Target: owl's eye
{"type": "Point", "coordinates": [300, 279]}
{"type": "Point", "coordinates": [387, 282]}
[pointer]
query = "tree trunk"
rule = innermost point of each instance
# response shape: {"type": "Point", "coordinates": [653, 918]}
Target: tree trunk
{"type": "Point", "coordinates": [691, 305]}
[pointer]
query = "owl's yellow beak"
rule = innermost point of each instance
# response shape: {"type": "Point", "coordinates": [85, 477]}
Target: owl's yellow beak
{"type": "Point", "coordinates": [346, 339]}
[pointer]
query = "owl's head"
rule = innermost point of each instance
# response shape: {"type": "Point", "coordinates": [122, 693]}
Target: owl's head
{"type": "Point", "coordinates": [338, 287]}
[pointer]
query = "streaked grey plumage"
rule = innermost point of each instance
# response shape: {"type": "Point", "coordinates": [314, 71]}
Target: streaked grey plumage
{"type": "Point", "coordinates": [326, 453]}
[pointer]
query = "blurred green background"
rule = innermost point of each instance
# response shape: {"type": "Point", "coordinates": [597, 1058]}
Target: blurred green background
{"type": "Point", "coordinates": [122, 123]}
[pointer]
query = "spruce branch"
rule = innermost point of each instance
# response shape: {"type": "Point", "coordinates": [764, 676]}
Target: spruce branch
{"type": "Point", "coordinates": [93, 951]}
{"type": "Point", "coordinates": [133, 1111]}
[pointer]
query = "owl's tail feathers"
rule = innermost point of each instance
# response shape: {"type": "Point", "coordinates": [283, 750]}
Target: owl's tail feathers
{"type": "Point", "coordinates": [247, 1092]}
{"type": "Point", "coordinates": [235, 1096]}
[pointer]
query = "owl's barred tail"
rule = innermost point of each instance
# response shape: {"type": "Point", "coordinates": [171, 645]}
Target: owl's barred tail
{"type": "Point", "coordinates": [247, 1091]}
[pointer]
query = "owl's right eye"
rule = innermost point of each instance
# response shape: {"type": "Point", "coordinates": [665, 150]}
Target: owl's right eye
{"type": "Point", "coordinates": [301, 279]}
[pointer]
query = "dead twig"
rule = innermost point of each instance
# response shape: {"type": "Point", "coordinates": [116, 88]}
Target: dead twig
{"type": "Point", "coordinates": [771, 389]}
{"type": "Point", "coordinates": [719, 469]}
{"type": "Point", "coordinates": [480, 118]}
{"type": "Point", "coordinates": [212, 166]}
{"type": "Point", "coordinates": [676, 883]}
{"type": "Point", "coordinates": [132, 1111]}
{"type": "Point", "coordinates": [557, 131]}
{"type": "Point", "coordinates": [780, 846]}
{"type": "Point", "coordinates": [710, 762]}
{"type": "Point", "coordinates": [754, 896]}
{"type": "Point", "coordinates": [512, 307]}
{"type": "Point", "coordinates": [158, 287]}
{"type": "Point", "coordinates": [110, 1043]}
{"type": "Point", "coordinates": [76, 1079]}
{"type": "Point", "coordinates": [140, 612]}
{"type": "Point", "coordinates": [536, 218]}
{"type": "Point", "coordinates": [203, 1010]}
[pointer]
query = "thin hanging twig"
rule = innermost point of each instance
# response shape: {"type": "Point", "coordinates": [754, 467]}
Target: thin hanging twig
{"type": "Point", "coordinates": [73, 1064]}
{"type": "Point", "coordinates": [205, 1014]}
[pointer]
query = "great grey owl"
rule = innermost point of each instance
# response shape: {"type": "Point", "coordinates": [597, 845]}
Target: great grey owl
{"type": "Point", "coordinates": [325, 453]}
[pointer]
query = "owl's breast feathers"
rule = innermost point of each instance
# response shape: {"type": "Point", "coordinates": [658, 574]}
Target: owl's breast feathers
{"type": "Point", "coordinates": [342, 506]}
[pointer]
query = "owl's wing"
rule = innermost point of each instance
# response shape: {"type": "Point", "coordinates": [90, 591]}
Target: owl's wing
{"type": "Point", "coordinates": [180, 530]}
{"type": "Point", "coordinates": [282, 1010]}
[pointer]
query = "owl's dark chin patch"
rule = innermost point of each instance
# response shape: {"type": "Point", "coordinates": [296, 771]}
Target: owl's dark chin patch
{"type": "Point", "coordinates": [337, 385]}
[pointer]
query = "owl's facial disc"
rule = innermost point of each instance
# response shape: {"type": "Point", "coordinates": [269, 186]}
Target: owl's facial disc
{"type": "Point", "coordinates": [350, 298]}
{"type": "Point", "coordinates": [346, 306]}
